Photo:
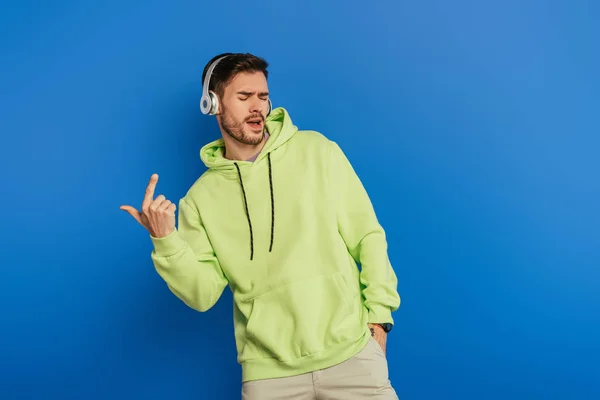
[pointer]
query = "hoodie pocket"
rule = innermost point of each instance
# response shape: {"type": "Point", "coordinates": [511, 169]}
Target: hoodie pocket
{"type": "Point", "coordinates": [301, 318]}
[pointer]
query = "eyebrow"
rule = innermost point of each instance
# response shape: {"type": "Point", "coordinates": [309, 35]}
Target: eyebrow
{"type": "Point", "coordinates": [244, 93]}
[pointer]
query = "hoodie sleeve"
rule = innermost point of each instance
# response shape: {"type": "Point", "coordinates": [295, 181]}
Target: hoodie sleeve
{"type": "Point", "coordinates": [364, 238]}
{"type": "Point", "coordinates": [187, 263]}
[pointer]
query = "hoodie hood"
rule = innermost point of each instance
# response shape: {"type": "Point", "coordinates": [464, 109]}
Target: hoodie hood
{"type": "Point", "coordinates": [281, 129]}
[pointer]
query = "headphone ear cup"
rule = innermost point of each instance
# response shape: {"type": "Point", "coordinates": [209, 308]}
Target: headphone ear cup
{"type": "Point", "coordinates": [205, 104]}
{"type": "Point", "coordinates": [270, 106]}
{"type": "Point", "coordinates": [214, 103]}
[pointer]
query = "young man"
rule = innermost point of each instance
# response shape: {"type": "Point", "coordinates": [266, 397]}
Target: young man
{"type": "Point", "coordinates": [282, 219]}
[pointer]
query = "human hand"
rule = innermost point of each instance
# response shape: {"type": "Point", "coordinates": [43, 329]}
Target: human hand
{"type": "Point", "coordinates": [379, 335]}
{"type": "Point", "coordinates": [158, 215]}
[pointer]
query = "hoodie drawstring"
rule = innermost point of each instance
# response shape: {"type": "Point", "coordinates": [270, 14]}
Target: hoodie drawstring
{"type": "Point", "coordinates": [248, 213]}
{"type": "Point", "coordinates": [272, 202]}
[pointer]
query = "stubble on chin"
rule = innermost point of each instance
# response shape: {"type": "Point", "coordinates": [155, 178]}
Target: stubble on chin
{"type": "Point", "coordinates": [236, 130]}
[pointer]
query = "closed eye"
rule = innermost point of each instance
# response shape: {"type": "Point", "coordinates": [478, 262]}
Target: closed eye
{"type": "Point", "coordinates": [245, 95]}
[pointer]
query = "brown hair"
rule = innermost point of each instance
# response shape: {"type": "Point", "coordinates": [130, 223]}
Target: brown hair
{"type": "Point", "coordinates": [230, 66]}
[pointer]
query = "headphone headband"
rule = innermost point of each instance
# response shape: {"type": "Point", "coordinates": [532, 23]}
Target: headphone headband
{"type": "Point", "coordinates": [209, 103]}
{"type": "Point", "coordinates": [206, 103]}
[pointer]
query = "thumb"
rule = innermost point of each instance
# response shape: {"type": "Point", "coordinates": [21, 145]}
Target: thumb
{"type": "Point", "coordinates": [134, 213]}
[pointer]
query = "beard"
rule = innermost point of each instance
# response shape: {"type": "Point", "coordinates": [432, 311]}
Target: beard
{"type": "Point", "coordinates": [236, 129]}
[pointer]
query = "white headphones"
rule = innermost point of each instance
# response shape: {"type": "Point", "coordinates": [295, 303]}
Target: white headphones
{"type": "Point", "coordinates": [209, 102]}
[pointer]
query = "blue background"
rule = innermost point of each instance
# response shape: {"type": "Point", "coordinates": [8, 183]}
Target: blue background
{"type": "Point", "coordinates": [474, 126]}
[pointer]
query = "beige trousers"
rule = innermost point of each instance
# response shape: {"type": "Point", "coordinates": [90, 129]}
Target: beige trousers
{"type": "Point", "coordinates": [364, 376]}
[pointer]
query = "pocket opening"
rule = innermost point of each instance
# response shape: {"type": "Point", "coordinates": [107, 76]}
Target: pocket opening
{"type": "Point", "coordinates": [302, 318]}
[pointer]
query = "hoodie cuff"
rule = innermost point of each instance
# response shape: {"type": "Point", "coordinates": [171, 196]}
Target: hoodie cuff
{"type": "Point", "coordinates": [169, 245]}
{"type": "Point", "coordinates": [380, 315]}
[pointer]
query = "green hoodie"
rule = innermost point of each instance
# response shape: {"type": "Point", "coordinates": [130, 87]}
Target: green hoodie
{"type": "Point", "coordinates": [285, 233]}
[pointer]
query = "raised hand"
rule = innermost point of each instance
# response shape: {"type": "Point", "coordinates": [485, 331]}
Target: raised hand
{"type": "Point", "coordinates": [158, 215]}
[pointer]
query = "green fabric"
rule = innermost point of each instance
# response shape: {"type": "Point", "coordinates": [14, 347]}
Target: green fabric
{"type": "Point", "coordinates": [290, 258]}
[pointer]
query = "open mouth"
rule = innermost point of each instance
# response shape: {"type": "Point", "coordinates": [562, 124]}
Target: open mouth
{"type": "Point", "coordinates": [255, 124]}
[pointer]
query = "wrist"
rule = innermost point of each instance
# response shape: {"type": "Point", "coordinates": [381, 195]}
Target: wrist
{"type": "Point", "coordinates": [376, 329]}
{"type": "Point", "coordinates": [386, 327]}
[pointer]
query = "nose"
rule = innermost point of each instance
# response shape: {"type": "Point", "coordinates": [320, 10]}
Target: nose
{"type": "Point", "coordinates": [259, 106]}
{"type": "Point", "coordinates": [256, 105]}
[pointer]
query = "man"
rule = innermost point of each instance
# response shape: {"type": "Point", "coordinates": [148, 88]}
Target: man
{"type": "Point", "coordinates": [282, 219]}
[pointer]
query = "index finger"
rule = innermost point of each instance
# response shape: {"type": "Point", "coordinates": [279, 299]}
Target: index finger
{"type": "Point", "coordinates": [150, 190]}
